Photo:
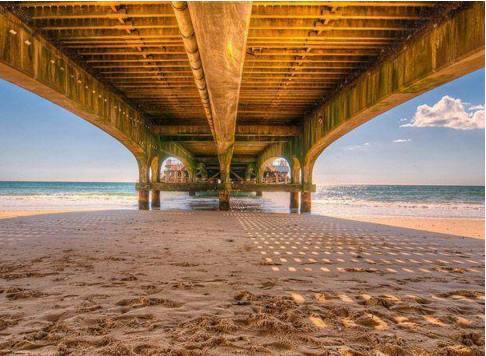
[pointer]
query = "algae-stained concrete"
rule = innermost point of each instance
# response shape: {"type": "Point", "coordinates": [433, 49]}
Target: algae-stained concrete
{"type": "Point", "coordinates": [30, 61]}
{"type": "Point", "coordinates": [442, 52]}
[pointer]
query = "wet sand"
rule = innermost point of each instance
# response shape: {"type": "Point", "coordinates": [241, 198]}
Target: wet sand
{"type": "Point", "coordinates": [206, 282]}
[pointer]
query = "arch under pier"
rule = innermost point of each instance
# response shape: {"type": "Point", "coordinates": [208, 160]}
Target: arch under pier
{"type": "Point", "coordinates": [225, 86]}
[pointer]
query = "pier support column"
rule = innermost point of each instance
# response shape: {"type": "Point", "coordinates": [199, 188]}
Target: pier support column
{"type": "Point", "coordinates": [143, 180]}
{"type": "Point", "coordinates": [155, 198]}
{"type": "Point", "coordinates": [259, 194]}
{"type": "Point", "coordinates": [224, 200]}
{"type": "Point", "coordinates": [143, 199]}
{"type": "Point", "coordinates": [224, 174]}
{"type": "Point", "coordinates": [155, 167]}
{"type": "Point", "coordinates": [306, 195]}
{"type": "Point", "coordinates": [294, 202]}
{"type": "Point", "coordinates": [305, 202]}
{"type": "Point", "coordinates": [296, 177]}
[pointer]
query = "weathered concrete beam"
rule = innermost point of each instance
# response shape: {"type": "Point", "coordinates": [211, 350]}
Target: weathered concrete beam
{"type": "Point", "coordinates": [441, 53]}
{"type": "Point", "coordinates": [241, 130]}
{"type": "Point", "coordinates": [32, 62]}
{"type": "Point", "coordinates": [291, 151]}
{"type": "Point", "coordinates": [221, 30]}
{"type": "Point", "coordinates": [237, 159]}
{"type": "Point", "coordinates": [186, 28]}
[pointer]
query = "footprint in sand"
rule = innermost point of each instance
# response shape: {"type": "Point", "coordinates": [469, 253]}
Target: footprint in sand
{"type": "Point", "coordinates": [371, 321]}
{"type": "Point", "coordinates": [381, 300]}
{"type": "Point", "coordinates": [472, 294]}
{"type": "Point", "coordinates": [15, 293]}
{"type": "Point", "coordinates": [8, 320]}
{"type": "Point", "coordinates": [140, 302]}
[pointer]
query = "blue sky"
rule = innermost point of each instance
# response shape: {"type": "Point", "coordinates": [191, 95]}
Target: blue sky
{"type": "Point", "coordinates": [441, 144]}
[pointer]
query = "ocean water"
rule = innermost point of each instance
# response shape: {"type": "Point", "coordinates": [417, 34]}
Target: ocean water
{"type": "Point", "coordinates": [345, 200]}
{"type": "Point", "coordinates": [401, 200]}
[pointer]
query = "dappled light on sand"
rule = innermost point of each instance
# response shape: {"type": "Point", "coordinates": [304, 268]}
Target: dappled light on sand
{"type": "Point", "coordinates": [104, 282]}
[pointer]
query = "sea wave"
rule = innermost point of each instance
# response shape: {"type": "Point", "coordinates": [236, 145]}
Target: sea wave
{"type": "Point", "coordinates": [400, 200]}
{"type": "Point", "coordinates": [356, 208]}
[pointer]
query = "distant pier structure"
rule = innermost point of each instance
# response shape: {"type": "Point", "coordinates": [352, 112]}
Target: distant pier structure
{"type": "Point", "coordinates": [277, 173]}
{"type": "Point", "coordinates": [226, 87]}
{"type": "Point", "coordinates": [174, 172]}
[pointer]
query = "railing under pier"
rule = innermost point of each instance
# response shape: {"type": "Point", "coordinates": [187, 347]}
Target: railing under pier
{"type": "Point", "coordinates": [215, 187]}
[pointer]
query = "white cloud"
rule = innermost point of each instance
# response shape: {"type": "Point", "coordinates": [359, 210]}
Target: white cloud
{"type": "Point", "coordinates": [476, 107]}
{"type": "Point", "coordinates": [402, 140]}
{"type": "Point", "coordinates": [358, 147]}
{"type": "Point", "coordinates": [451, 113]}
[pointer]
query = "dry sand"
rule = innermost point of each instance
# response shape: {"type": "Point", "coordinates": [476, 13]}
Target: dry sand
{"type": "Point", "coordinates": [183, 283]}
{"type": "Point", "coordinates": [6, 214]}
{"type": "Point", "coordinates": [460, 227]}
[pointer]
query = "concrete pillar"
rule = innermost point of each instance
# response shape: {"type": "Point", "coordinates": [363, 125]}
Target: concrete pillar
{"type": "Point", "coordinates": [259, 194]}
{"type": "Point", "coordinates": [294, 202]}
{"type": "Point", "coordinates": [155, 198]}
{"type": "Point", "coordinates": [143, 180]}
{"type": "Point", "coordinates": [192, 194]}
{"type": "Point", "coordinates": [224, 175]}
{"type": "Point", "coordinates": [224, 200]}
{"type": "Point", "coordinates": [305, 202]}
{"type": "Point", "coordinates": [143, 199]}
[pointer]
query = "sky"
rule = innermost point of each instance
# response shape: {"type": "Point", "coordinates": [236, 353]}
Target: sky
{"type": "Point", "coordinates": [436, 138]}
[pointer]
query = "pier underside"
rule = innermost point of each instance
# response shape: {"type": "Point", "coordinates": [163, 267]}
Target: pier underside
{"type": "Point", "coordinates": [178, 282]}
{"type": "Point", "coordinates": [226, 86]}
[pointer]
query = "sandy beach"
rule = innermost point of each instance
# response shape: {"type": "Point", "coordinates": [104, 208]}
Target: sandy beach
{"type": "Point", "coordinates": [195, 282]}
{"type": "Point", "coordinates": [460, 227]}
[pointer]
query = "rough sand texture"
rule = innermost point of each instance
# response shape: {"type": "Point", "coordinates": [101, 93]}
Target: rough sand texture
{"type": "Point", "coordinates": [183, 283]}
{"type": "Point", "coordinates": [451, 226]}
{"type": "Point", "coordinates": [460, 227]}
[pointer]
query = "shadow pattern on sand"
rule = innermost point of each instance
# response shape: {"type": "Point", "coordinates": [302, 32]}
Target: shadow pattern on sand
{"type": "Point", "coordinates": [241, 282]}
